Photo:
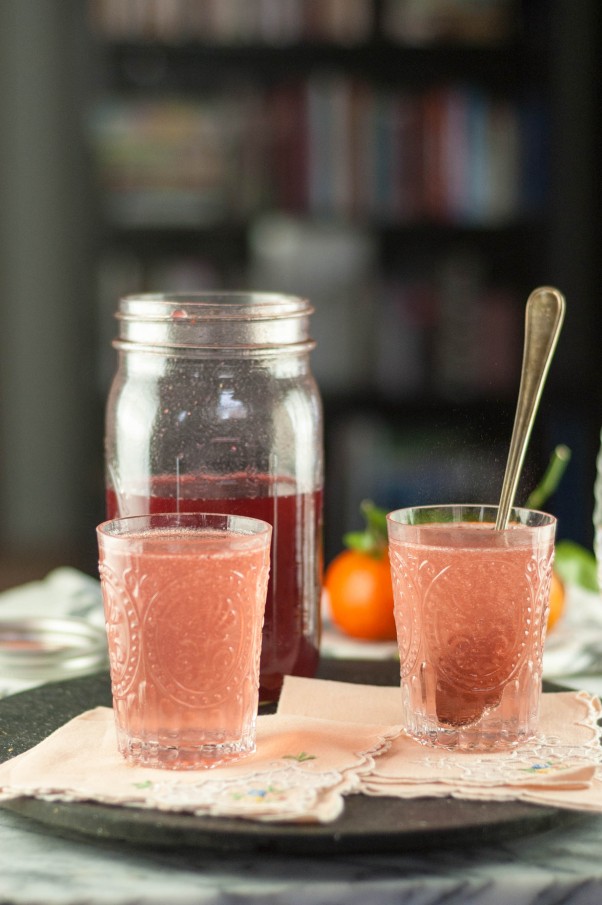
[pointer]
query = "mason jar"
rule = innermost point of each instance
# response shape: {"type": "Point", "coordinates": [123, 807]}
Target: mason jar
{"type": "Point", "coordinates": [214, 408]}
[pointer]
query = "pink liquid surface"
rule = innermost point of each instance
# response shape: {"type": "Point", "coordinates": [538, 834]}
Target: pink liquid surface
{"type": "Point", "coordinates": [471, 623]}
{"type": "Point", "coordinates": [291, 632]}
{"type": "Point", "coordinates": [184, 612]}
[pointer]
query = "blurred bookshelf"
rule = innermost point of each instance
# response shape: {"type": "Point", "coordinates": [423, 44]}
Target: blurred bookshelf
{"type": "Point", "coordinates": [395, 160]}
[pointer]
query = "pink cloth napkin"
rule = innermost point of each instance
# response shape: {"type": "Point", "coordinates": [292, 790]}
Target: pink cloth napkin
{"type": "Point", "coordinates": [327, 740]}
{"type": "Point", "coordinates": [300, 772]}
{"type": "Point", "coordinates": [561, 767]}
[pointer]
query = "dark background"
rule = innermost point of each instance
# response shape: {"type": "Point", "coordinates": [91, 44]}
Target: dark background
{"type": "Point", "coordinates": [423, 425]}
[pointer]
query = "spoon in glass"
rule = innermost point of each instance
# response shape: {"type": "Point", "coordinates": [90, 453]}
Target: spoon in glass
{"type": "Point", "coordinates": [543, 319]}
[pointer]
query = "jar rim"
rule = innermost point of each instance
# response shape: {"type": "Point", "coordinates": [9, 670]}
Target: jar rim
{"type": "Point", "coordinates": [183, 307]}
{"type": "Point", "coordinates": [214, 321]}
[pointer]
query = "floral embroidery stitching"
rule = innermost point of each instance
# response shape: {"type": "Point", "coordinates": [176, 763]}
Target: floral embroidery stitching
{"type": "Point", "coordinates": [545, 768]}
{"type": "Point", "coordinates": [281, 790]}
{"type": "Point", "coordinates": [257, 794]}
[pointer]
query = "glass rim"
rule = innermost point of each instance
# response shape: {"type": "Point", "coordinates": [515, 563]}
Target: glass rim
{"type": "Point", "coordinates": [214, 323]}
{"type": "Point", "coordinates": [218, 305]}
{"type": "Point", "coordinates": [241, 525]}
{"type": "Point", "coordinates": [547, 520]}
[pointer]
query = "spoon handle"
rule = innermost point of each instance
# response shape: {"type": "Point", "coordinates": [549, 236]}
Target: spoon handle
{"type": "Point", "coordinates": [543, 320]}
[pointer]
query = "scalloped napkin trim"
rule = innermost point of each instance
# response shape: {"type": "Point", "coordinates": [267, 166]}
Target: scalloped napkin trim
{"type": "Point", "coordinates": [299, 773]}
{"type": "Point", "coordinates": [562, 766]}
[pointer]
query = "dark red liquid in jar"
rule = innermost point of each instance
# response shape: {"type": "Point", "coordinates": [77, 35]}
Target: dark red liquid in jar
{"type": "Point", "coordinates": [290, 643]}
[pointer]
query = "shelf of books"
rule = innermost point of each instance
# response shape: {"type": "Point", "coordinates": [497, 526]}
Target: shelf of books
{"type": "Point", "coordinates": [400, 146]}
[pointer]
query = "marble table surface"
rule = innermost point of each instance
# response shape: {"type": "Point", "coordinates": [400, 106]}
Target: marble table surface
{"type": "Point", "coordinates": [560, 865]}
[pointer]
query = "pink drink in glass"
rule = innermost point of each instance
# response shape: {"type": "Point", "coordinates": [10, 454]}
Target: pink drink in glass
{"type": "Point", "coordinates": [184, 599]}
{"type": "Point", "coordinates": [290, 631]}
{"type": "Point", "coordinates": [470, 607]}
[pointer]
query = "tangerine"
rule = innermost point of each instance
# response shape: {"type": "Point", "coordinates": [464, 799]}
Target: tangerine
{"type": "Point", "coordinates": [360, 594]}
{"type": "Point", "coordinates": [557, 600]}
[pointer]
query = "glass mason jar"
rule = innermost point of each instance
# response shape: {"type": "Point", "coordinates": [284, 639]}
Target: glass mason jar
{"type": "Point", "coordinates": [214, 408]}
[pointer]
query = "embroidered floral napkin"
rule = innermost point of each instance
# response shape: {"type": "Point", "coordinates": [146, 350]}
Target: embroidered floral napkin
{"type": "Point", "coordinates": [327, 740]}
{"type": "Point", "coordinates": [562, 767]}
{"type": "Point", "coordinates": [300, 771]}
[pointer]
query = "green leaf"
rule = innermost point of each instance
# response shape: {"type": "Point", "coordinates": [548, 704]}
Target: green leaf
{"type": "Point", "coordinates": [373, 539]}
{"type": "Point", "coordinates": [376, 518]}
{"type": "Point", "coordinates": [576, 565]}
{"type": "Point", "coordinates": [559, 460]}
{"type": "Point", "coordinates": [361, 541]}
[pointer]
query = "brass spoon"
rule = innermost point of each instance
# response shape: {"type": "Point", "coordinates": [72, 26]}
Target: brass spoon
{"type": "Point", "coordinates": [543, 320]}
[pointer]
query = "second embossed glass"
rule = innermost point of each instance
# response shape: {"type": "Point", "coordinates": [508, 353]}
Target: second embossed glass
{"type": "Point", "coordinates": [184, 597]}
{"type": "Point", "coordinates": [471, 607]}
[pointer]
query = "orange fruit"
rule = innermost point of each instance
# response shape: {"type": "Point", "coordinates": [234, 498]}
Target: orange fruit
{"type": "Point", "coordinates": [557, 600]}
{"type": "Point", "coordinates": [360, 594]}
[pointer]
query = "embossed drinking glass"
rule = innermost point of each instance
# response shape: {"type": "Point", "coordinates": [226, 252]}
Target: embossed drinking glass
{"type": "Point", "coordinates": [471, 608]}
{"type": "Point", "coordinates": [184, 597]}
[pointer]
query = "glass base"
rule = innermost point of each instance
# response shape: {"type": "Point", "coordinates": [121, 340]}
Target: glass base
{"type": "Point", "coordinates": [471, 739]}
{"type": "Point", "coordinates": [437, 712]}
{"type": "Point", "coordinates": [152, 752]}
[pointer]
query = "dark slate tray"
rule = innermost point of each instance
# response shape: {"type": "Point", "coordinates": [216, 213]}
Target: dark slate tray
{"type": "Point", "coordinates": [366, 825]}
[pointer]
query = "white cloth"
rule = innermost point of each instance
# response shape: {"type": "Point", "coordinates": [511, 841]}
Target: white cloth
{"type": "Point", "coordinates": [65, 592]}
